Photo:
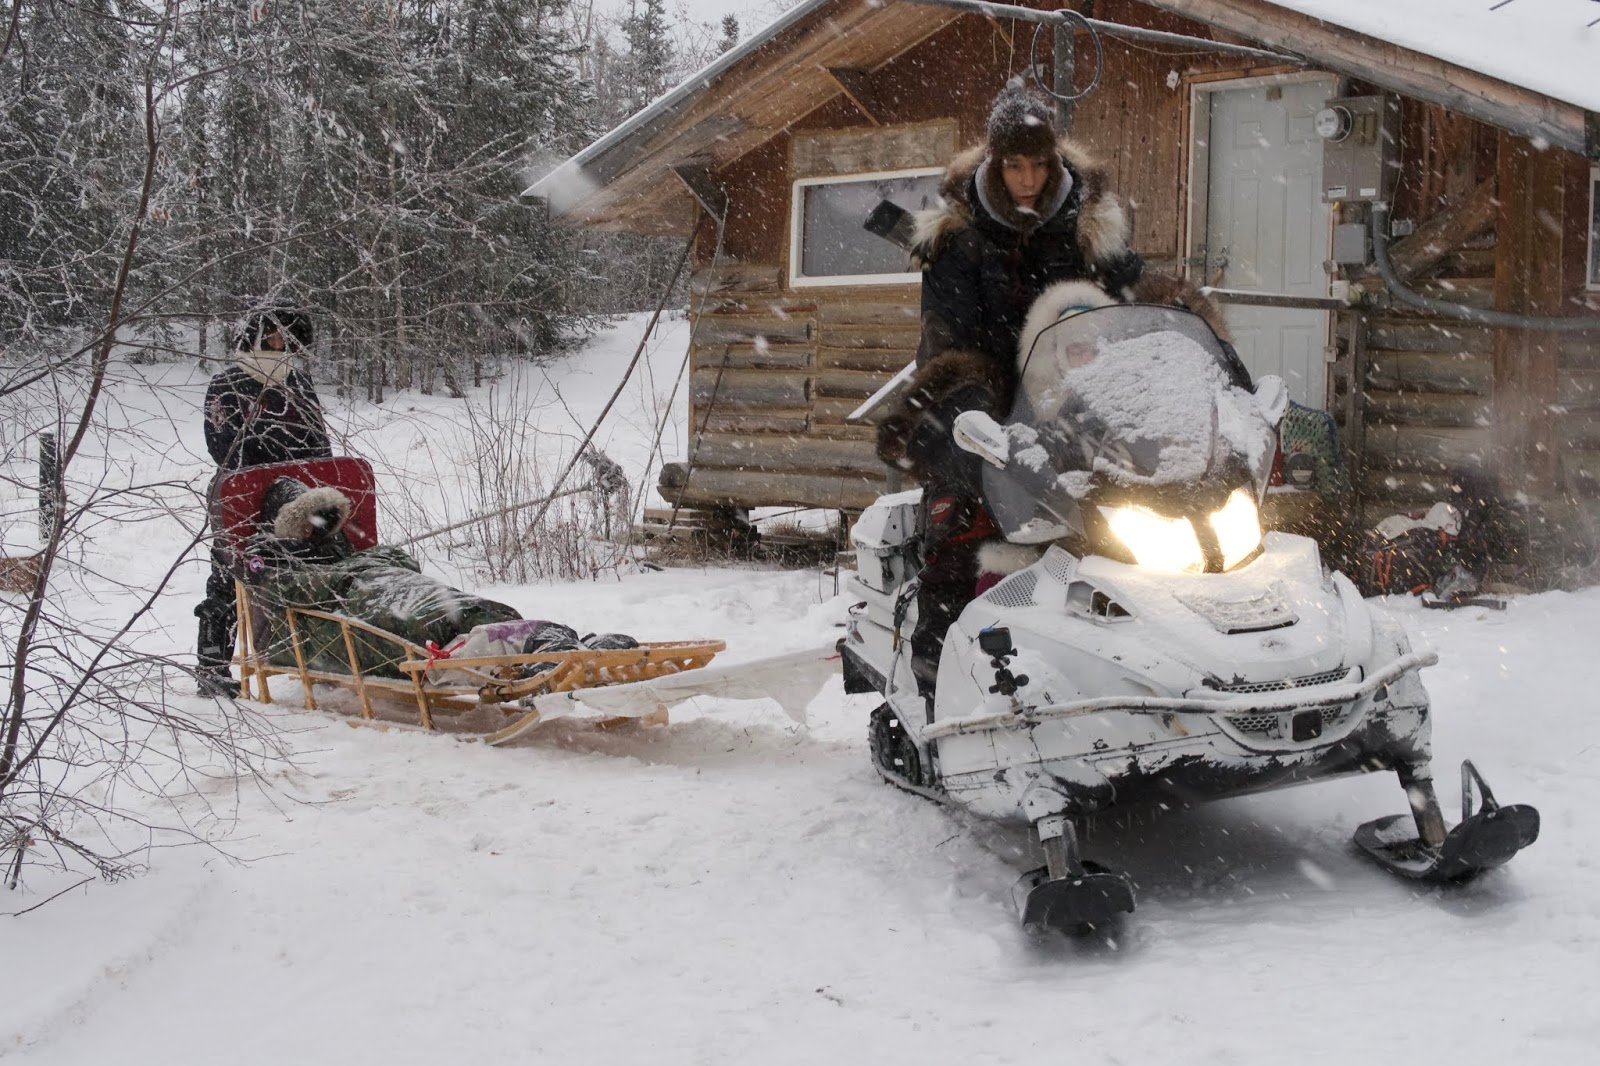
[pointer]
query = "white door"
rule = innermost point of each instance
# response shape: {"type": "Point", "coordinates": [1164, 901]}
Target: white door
{"type": "Point", "coordinates": [1266, 226]}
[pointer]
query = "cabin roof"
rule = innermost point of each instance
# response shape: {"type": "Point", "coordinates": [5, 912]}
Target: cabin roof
{"type": "Point", "coordinates": [737, 103]}
{"type": "Point", "coordinates": [1549, 46]}
{"type": "Point", "coordinates": [1525, 66]}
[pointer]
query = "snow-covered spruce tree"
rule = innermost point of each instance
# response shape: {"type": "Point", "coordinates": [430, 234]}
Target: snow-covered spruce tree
{"type": "Point", "coordinates": [96, 758]}
{"type": "Point", "coordinates": [65, 134]}
{"type": "Point", "coordinates": [648, 61]}
{"type": "Point", "coordinates": [411, 126]}
{"type": "Point", "coordinates": [506, 92]}
{"type": "Point", "coordinates": [632, 61]}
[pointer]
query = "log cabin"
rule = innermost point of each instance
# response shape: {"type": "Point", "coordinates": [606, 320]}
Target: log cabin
{"type": "Point", "coordinates": [1252, 143]}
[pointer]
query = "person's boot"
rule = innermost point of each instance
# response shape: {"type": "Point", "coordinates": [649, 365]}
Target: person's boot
{"type": "Point", "coordinates": [215, 682]}
{"type": "Point", "coordinates": [215, 653]}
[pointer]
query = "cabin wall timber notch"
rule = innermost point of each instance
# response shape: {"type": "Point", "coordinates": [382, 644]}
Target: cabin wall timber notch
{"type": "Point", "coordinates": [852, 86]}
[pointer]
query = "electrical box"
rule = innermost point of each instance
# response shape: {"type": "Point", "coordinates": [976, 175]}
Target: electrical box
{"type": "Point", "coordinates": [1360, 137]}
{"type": "Point", "coordinates": [1350, 244]}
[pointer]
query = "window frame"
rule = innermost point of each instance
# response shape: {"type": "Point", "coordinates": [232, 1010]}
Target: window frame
{"type": "Point", "coordinates": [799, 280]}
{"type": "Point", "coordinates": [1591, 268]}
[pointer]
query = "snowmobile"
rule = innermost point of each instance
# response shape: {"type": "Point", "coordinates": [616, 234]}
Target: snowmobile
{"type": "Point", "coordinates": [1162, 647]}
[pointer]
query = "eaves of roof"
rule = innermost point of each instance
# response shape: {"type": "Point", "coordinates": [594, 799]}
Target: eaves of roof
{"type": "Point", "coordinates": [568, 179]}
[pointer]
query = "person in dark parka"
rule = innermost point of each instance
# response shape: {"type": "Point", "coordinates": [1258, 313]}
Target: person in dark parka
{"type": "Point", "coordinates": [260, 410]}
{"type": "Point", "coordinates": [1022, 211]}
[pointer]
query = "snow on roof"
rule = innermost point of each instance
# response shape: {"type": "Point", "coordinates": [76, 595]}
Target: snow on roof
{"type": "Point", "coordinates": [1548, 46]}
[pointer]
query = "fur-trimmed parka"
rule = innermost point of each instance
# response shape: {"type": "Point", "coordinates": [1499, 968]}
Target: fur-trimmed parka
{"type": "Point", "coordinates": [985, 260]}
{"type": "Point", "coordinates": [249, 423]}
{"type": "Point", "coordinates": [916, 435]}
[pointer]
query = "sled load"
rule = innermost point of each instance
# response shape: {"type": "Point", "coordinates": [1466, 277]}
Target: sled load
{"type": "Point", "coordinates": [320, 601]}
{"type": "Point", "coordinates": [1160, 647]}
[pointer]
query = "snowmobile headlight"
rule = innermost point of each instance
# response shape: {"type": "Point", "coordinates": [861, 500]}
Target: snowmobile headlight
{"type": "Point", "coordinates": [1238, 528]}
{"type": "Point", "coordinates": [1156, 541]}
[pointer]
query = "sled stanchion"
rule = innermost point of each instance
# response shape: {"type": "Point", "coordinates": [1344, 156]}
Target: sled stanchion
{"type": "Point", "coordinates": [250, 659]}
{"type": "Point", "coordinates": [241, 638]}
{"type": "Point", "coordinates": [355, 670]}
{"type": "Point", "coordinates": [423, 713]}
{"type": "Point", "coordinates": [300, 657]}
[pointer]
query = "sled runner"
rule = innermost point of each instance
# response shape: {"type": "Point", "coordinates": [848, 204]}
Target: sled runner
{"type": "Point", "coordinates": [393, 676]}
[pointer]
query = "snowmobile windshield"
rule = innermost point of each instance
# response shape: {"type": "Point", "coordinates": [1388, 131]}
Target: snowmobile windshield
{"type": "Point", "coordinates": [1131, 406]}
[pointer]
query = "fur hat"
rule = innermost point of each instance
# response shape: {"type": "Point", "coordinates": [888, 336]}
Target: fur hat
{"type": "Point", "coordinates": [293, 324]}
{"type": "Point", "coordinates": [294, 511]}
{"type": "Point", "coordinates": [1158, 288]}
{"type": "Point", "coordinates": [1020, 123]}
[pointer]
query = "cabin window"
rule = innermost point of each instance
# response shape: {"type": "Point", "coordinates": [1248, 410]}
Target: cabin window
{"type": "Point", "coordinates": [829, 241]}
{"type": "Point", "coordinates": [1594, 228]}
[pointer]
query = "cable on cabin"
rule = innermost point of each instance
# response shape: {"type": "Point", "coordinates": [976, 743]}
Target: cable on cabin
{"type": "Point", "coordinates": [1067, 15]}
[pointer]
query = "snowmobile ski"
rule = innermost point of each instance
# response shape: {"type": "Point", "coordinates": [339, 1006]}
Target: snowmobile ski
{"type": "Point", "coordinates": [1086, 902]}
{"type": "Point", "coordinates": [1482, 840]}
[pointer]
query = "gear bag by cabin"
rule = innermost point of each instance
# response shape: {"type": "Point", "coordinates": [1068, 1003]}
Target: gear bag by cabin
{"type": "Point", "coordinates": [1444, 550]}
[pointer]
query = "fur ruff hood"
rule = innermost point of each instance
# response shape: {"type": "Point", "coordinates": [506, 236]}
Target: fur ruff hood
{"type": "Point", "coordinates": [315, 514]}
{"type": "Point", "coordinates": [1102, 225]}
{"type": "Point", "coordinates": [1000, 558]}
{"type": "Point", "coordinates": [927, 396]}
{"type": "Point", "coordinates": [1061, 299]}
{"type": "Point", "coordinates": [1038, 371]}
{"type": "Point", "coordinates": [1152, 288]}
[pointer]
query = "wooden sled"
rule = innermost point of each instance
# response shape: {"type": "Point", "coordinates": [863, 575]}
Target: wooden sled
{"type": "Point", "coordinates": [491, 696]}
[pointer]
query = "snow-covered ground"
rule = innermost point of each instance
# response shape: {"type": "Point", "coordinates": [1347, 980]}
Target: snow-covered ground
{"type": "Point", "coordinates": [738, 888]}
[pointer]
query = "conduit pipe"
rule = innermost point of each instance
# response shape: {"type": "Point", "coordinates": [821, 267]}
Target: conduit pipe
{"type": "Point", "coordinates": [1459, 312]}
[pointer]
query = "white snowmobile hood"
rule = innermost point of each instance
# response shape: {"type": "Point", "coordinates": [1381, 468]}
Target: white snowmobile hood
{"type": "Point", "coordinates": [1277, 617]}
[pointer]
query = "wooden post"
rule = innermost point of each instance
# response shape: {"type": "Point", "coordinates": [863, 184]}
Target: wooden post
{"type": "Point", "coordinates": [1065, 47]}
{"type": "Point", "coordinates": [50, 501]}
{"type": "Point", "coordinates": [245, 641]}
{"type": "Point", "coordinates": [1527, 280]}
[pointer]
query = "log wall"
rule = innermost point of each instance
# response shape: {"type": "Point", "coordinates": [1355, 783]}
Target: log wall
{"type": "Point", "coordinates": [776, 368]}
{"type": "Point", "coordinates": [1439, 396]}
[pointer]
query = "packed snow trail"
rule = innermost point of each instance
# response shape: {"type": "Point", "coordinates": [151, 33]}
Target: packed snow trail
{"type": "Point", "coordinates": [736, 888]}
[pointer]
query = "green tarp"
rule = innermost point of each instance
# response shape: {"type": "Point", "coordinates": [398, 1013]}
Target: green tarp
{"type": "Point", "coordinates": [383, 587]}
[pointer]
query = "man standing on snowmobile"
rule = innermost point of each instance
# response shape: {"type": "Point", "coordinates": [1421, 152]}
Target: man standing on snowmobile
{"type": "Point", "coordinates": [260, 410]}
{"type": "Point", "coordinates": [1022, 211]}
